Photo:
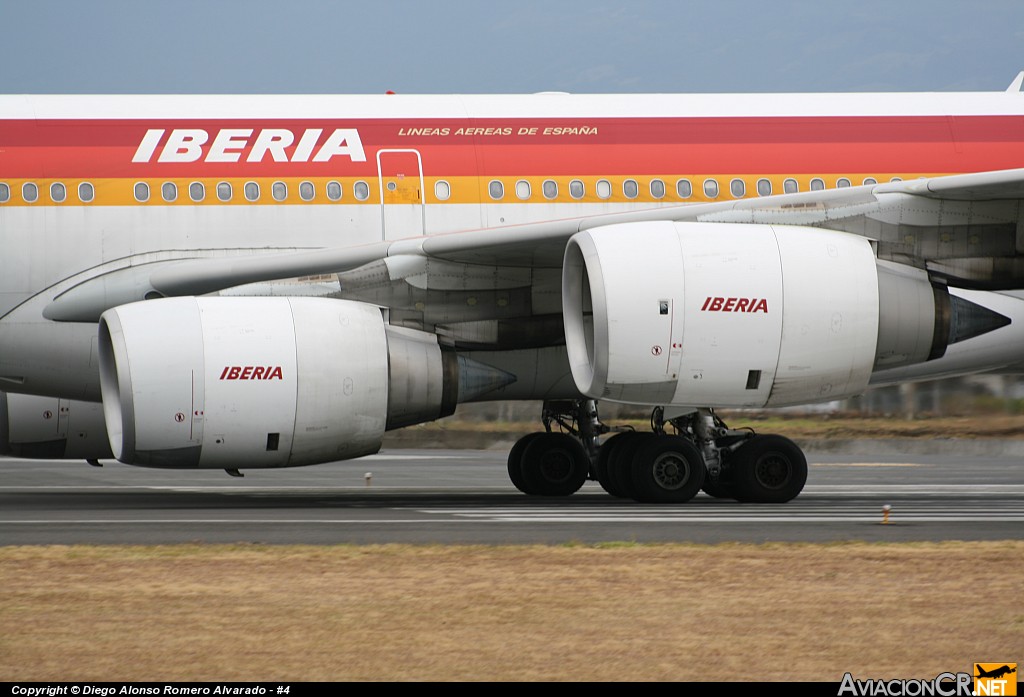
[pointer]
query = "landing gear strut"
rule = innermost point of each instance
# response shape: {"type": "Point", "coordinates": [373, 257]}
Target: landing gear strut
{"type": "Point", "coordinates": [656, 467]}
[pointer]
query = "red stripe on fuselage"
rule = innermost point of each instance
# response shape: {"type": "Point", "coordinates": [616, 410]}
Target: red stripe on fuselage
{"type": "Point", "coordinates": [105, 148]}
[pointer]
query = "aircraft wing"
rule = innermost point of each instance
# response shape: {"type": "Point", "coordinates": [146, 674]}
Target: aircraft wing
{"type": "Point", "coordinates": [962, 228]}
{"type": "Point", "coordinates": [541, 245]}
{"type": "Point", "coordinates": [982, 186]}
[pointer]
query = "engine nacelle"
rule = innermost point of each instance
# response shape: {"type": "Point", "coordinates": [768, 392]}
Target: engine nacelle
{"type": "Point", "coordinates": [735, 315]}
{"type": "Point", "coordinates": [268, 382]}
{"type": "Point", "coordinates": [51, 429]}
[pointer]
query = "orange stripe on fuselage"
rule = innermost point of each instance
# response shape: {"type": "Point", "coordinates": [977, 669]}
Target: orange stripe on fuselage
{"type": "Point", "coordinates": [463, 190]}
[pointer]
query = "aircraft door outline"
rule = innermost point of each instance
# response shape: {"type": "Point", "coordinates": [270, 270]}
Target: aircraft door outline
{"type": "Point", "coordinates": [401, 186]}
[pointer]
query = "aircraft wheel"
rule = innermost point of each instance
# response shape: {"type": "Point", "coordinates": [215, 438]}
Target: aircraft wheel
{"type": "Point", "coordinates": [620, 464]}
{"type": "Point", "coordinates": [606, 457]}
{"type": "Point", "coordinates": [768, 469]}
{"type": "Point", "coordinates": [515, 461]}
{"type": "Point", "coordinates": [554, 464]}
{"type": "Point", "coordinates": [667, 469]}
{"type": "Point", "coordinates": [717, 488]}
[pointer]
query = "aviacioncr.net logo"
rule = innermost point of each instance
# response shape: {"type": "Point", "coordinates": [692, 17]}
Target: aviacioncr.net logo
{"type": "Point", "coordinates": [943, 685]}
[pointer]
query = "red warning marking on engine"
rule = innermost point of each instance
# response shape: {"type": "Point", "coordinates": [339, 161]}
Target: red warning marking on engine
{"type": "Point", "coordinates": [251, 372]}
{"type": "Point", "coordinates": [712, 304]}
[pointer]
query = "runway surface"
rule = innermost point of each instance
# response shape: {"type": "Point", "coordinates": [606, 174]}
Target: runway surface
{"type": "Point", "coordinates": [434, 496]}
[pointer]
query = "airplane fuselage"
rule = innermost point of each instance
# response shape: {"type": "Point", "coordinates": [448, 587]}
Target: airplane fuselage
{"type": "Point", "coordinates": [96, 184]}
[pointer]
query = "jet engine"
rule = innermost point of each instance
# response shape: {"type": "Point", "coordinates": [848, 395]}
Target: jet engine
{"type": "Point", "coordinates": [269, 382]}
{"type": "Point", "coordinates": [738, 315]}
{"type": "Point", "coordinates": [52, 429]}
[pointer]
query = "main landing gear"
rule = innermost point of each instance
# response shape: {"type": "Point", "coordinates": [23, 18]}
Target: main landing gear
{"type": "Point", "coordinates": [701, 454]}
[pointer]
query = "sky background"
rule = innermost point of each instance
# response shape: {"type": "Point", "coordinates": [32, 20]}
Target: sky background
{"type": "Point", "coordinates": [441, 46]}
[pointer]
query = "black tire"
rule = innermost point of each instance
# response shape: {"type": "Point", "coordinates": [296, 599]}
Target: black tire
{"type": "Point", "coordinates": [768, 469]}
{"type": "Point", "coordinates": [602, 468]}
{"type": "Point", "coordinates": [620, 463]}
{"type": "Point", "coordinates": [515, 461]}
{"type": "Point", "coordinates": [667, 469]}
{"type": "Point", "coordinates": [554, 464]}
{"type": "Point", "coordinates": [719, 488]}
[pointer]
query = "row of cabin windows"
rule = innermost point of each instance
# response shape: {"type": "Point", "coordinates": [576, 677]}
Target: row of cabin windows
{"type": "Point", "coordinates": [251, 191]}
{"type": "Point", "coordinates": [442, 189]}
{"type": "Point", "coordinates": [58, 192]}
{"type": "Point", "coordinates": [196, 191]}
{"type": "Point", "coordinates": [657, 187]}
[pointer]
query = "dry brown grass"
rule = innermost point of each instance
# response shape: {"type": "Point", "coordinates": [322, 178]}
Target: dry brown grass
{"type": "Point", "coordinates": [613, 612]}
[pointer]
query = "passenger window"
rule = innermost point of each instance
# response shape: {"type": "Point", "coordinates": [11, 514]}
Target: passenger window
{"type": "Point", "coordinates": [896, 179]}
{"type": "Point", "coordinates": [279, 191]}
{"type": "Point", "coordinates": [630, 188]}
{"type": "Point", "coordinates": [169, 191]}
{"type": "Point", "coordinates": [842, 183]}
{"type": "Point", "coordinates": [5, 193]}
{"type": "Point", "coordinates": [58, 192]}
{"type": "Point", "coordinates": [86, 192]}
{"type": "Point", "coordinates": [738, 188]}
{"type": "Point", "coordinates": [576, 188]}
{"type": "Point", "coordinates": [684, 189]}
{"type": "Point", "coordinates": [307, 191]}
{"type": "Point", "coordinates": [711, 188]}
{"type": "Point", "coordinates": [361, 190]}
{"type": "Point", "coordinates": [657, 188]}
{"type": "Point", "coordinates": [869, 181]}
{"type": "Point", "coordinates": [442, 190]}
{"type": "Point", "coordinates": [252, 191]}
{"type": "Point", "coordinates": [224, 191]}
{"type": "Point", "coordinates": [550, 189]}
{"type": "Point", "coordinates": [334, 191]}
{"type": "Point", "coordinates": [523, 189]}
{"type": "Point", "coordinates": [604, 188]}
{"type": "Point", "coordinates": [790, 186]}
{"type": "Point", "coordinates": [496, 190]}
{"type": "Point", "coordinates": [196, 191]}
{"type": "Point", "coordinates": [764, 187]}
{"type": "Point", "coordinates": [141, 192]}
{"type": "Point", "coordinates": [817, 184]}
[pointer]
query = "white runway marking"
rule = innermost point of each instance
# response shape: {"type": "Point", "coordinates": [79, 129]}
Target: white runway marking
{"type": "Point", "coordinates": [262, 490]}
{"type": "Point", "coordinates": [831, 490]}
{"type": "Point", "coordinates": [716, 519]}
{"type": "Point", "coordinates": [908, 513]}
{"type": "Point", "coordinates": [215, 521]}
{"type": "Point", "coordinates": [715, 513]}
{"type": "Point", "coordinates": [446, 457]}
